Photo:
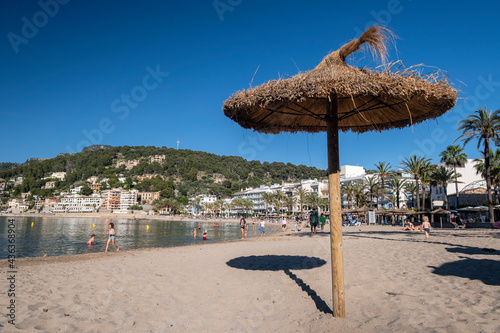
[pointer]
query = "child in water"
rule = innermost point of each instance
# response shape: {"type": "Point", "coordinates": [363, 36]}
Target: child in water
{"type": "Point", "coordinates": [205, 235]}
{"type": "Point", "coordinates": [91, 240]}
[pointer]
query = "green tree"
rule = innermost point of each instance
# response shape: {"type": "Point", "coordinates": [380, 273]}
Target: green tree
{"type": "Point", "coordinates": [454, 156]}
{"type": "Point", "coordinates": [86, 190]}
{"type": "Point", "coordinates": [397, 184]}
{"type": "Point", "coordinates": [416, 165]}
{"type": "Point", "coordinates": [384, 171]}
{"type": "Point", "coordinates": [443, 177]}
{"type": "Point", "coordinates": [483, 126]}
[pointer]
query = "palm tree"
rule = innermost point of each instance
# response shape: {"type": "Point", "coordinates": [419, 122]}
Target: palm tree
{"type": "Point", "coordinates": [426, 180]}
{"type": "Point", "coordinates": [384, 171]}
{"type": "Point", "coordinates": [483, 126]}
{"type": "Point", "coordinates": [495, 168]}
{"type": "Point", "coordinates": [300, 198]}
{"type": "Point", "coordinates": [279, 197]}
{"type": "Point", "coordinates": [411, 187]}
{"type": "Point", "coordinates": [359, 191]}
{"type": "Point", "coordinates": [349, 191]}
{"type": "Point", "coordinates": [247, 204]}
{"type": "Point", "coordinates": [454, 156]}
{"type": "Point", "coordinates": [372, 185]}
{"type": "Point", "coordinates": [397, 184]}
{"type": "Point", "coordinates": [416, 165]}
{"type": "Point", "coordinates": [443, 177]}
{"type": "Point", "coordinates": [313, 200]}
{"type": "Point", "coordinates": [324, 204]}
{"type": "Point", "coordinates": [269, 199]}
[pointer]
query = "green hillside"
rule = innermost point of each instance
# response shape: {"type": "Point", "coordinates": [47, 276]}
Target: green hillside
{"type": "Point", "coordinates": [183, 173]}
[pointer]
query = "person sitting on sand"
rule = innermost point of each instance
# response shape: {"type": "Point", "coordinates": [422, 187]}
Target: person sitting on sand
{"type": "Point", "coordinates": [111, 238]}
{"type": "Point", "coordinates": [91, 240]}
{"type": "Point", "coordinates": [409, 226]}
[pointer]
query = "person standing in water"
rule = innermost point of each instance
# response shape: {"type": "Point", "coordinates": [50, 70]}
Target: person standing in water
{"type": "Point", "coordinates": [243, 223]}
{"type": "Point", "coordinates": [205, 235]}
{"type": "Point", "coordinates": [111, 237]}
{"type": "Point", "coordinates": [194, 233]}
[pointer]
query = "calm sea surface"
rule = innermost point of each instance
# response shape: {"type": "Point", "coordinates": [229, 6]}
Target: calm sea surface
{"type": "Point", "coordinates": [38, 236]}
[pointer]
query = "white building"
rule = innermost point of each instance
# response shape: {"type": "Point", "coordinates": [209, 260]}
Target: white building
{"type": "Point", "coordinates": [468, 180]}
{"type": "Point", "coordinates": [127, 199]}
{"type": "Point", "coordinates": [78, 204]}
{"type": "Point", "coordinates": [76, 190]}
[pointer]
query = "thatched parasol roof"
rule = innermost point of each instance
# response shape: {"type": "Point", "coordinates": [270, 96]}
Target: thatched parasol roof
{"type": "Point", "coordinates": [366, 99]}
{"type": "Point", "coordinates": [440, 211]}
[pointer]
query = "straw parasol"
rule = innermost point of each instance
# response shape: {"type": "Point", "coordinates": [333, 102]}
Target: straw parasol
{"type": "Point", "coordinates": [440, 211]}
{"type": "Point", "coordinates": [336, 97]}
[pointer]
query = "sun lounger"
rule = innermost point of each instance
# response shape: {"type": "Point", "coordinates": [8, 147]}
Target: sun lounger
{"type": "Point", "coordinates": [462, 226]}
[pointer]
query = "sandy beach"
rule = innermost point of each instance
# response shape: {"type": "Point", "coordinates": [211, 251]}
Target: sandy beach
{"type": "Point", "coordinates": [395, 281]}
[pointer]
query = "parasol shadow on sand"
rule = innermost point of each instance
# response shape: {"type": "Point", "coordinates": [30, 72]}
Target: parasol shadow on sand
{"type": "Point", "coordinates": [337, 97]}
{"type": "Point", "coordinates": [285, 263]}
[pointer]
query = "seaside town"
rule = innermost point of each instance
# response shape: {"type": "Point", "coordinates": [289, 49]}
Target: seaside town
{"type": "Point", "coordinates": [359, 188]}
{"type": "Point", "coordinates": [250, 166]}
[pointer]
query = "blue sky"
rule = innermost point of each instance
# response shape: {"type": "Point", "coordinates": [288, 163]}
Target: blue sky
{"type": "Point", "coordinates": [154, 72]}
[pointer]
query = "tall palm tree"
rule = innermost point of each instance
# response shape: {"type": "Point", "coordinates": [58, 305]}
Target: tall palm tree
{"type": "Point", "coordinates": [384, 171]}
{"type": "Point", "coordinates": [397, 184]}
{"type": "Point", "coordinates": [495, 168]}
{"type": "Point", "coordinates": [279, 197]}
{"type": "Point", "coordinates": [483, 126]}
{"type": "Point", "coordinates": [268, 198]}
{"type": "Point", "coordinates": [313, 200]}
{"type": "Point", "coordinates": [371, 185]}
{"type": "Point", "coordinates": [411, 187]}
{"type": "Point", "coordinates": [443, 177]}
{"type": "Point", "coordinates": [349, 191]}
{"type": "Point", "coordinates": [247, 205]}
{"type": "Point", "coordinates": [300, 198]}
{"type": "Point", "coordinates": [416, 165]}
{"type": "Point", "coordinates": [426, 180]}
{"type": "Point", "coordinates": [359, 192]}
{"type": "Point", "coordinates": [454, 156]}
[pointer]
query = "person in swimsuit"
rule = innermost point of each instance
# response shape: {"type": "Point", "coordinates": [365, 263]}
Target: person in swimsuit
{"type": "Point", "coordinates": [91, 240]}
{"type": "Point", "coordinates": [427, 227]}
{"type": "Point", "coordinates": [242, 226]}
{"type": "Point", "coordinates": [205, 235]}
{"type": "Point", "coordinates": [194, 233]}
{"type": "Point", "coordinates": [111, 237]}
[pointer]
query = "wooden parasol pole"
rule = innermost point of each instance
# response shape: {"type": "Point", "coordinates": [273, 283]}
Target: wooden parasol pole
{"type": "Point", "coordinates": [332, 133]}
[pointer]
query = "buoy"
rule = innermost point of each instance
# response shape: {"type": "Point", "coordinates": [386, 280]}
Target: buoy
{"type": "Point", "coordinates": [93, 225]}
{"type": "Point", "coordinates": [32, 224]}
{"type": "Point", "coordinates": [147, 227]}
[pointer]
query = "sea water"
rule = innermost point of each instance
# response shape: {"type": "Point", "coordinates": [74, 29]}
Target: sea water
{"type": "Point", "coordinates": [54, 236]}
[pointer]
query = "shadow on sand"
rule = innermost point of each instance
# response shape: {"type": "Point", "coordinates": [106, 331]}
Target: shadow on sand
{"type": "Point", "coordinates": [485, 270]}
{"type": "Point", "coordinates": [285, 263]}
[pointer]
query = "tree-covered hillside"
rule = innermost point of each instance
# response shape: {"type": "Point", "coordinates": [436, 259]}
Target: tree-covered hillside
{"type": "Point", "coordinates": [183, 173]}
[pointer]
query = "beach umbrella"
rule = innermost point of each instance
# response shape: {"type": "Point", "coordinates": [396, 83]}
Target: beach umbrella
{"type": "Point", "coordinates": [440, 211]}
{"type": "Point", "coordinates": [337, 97]}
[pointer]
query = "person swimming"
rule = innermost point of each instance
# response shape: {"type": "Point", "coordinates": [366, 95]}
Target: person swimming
{"type": "Point", "coordinates": [91, 240]}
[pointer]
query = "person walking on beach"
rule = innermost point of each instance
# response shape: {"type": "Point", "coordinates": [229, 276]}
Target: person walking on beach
{"type": "Point", "coordinates": [426, 226]}
{"type": "Point", "coordinates": [322, 220]}
{"type": "Point", "coordinates": [242, 226]}
{"type": "Point", "coordinates": [262, 226]}
{"type": "Point", "coordinates": [313, 220]}
{"type": "Point", "coordinates": [283, 224]}
{"type": "Point", "coordinates": [111, 237]}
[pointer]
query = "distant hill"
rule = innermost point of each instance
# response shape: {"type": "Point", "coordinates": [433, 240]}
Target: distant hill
{"type": "Point", "coordinates": [8, 166]}
{"type": "Point", "coordinates": [180, 173]}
